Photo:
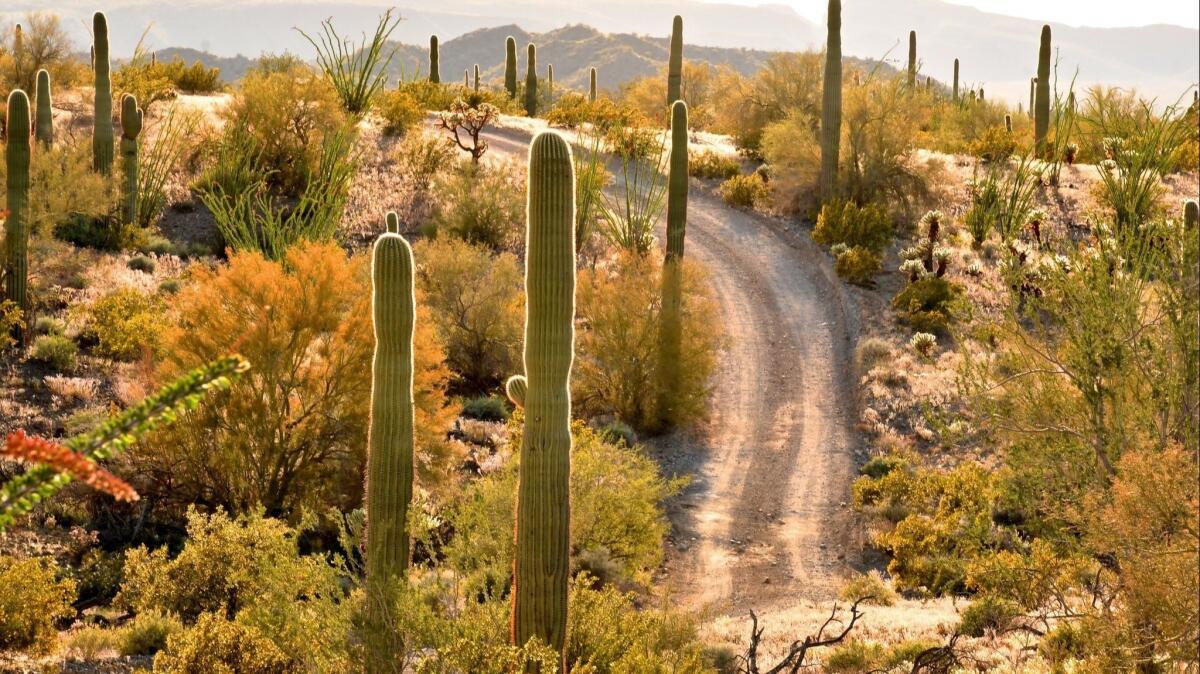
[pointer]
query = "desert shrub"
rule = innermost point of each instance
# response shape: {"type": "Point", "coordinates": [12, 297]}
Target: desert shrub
{"type": "Point", "coordinates": [870, 587]}
{"type": "Point", "coordinates": [476, 304]}
{"type": "Point", "coordinates": [871, 352]}
{"type": "Point", "coordinates": [793, 152]}
{"type": "Point", "coordinates": [430, 96]}
{"type": "Point", "coordinates": [174, 143]}
{"type": "Point", "coordinates": [45, 45]}
{"type": "Point", "coordinates": [399, 112]}
{"type": "Point", "coordinates": [192, 79]}
{"type": "Point", "coordinates": [995, 144]}
{"type": "Point", "coordinates": [710, 164]}
{"type": "Point", "coordinates": [141, 263]}
{"type": "Point", "coordinates": [88, 643]}
{"type": "Point", "coordinates": [486, 408]}
{"type": "Point", "coordinates": [57, 351]}
{"type": "Point", "coordinates": [224, 647]}
{"type": "Point", "coordinates": [858, 266]}
{"type": "Point", "coordinates": [571, 110]}
{"type": "Point", "coordinates": [279, 122]}
{"type": "Point", "coordinates": [63, 187]}
{"type": "Point", "coordinates": [608, 633]}
{"type": "Point", "coordinates": [421, 158]}
{"type": "Point", "coordinates": [11, 320]}
{"type": "Point", "coordinates": [291, 431]}
{"type": "Point", "coordinates": [647, 94]}
{"type": "Point", "coordinates": [616, 432]}
{"type": "Point", "coordinates": [844, 222]}
{"type": "Point", "coordinates": [855, 656]}
{"type": "Point", "coordinates": [32, 598]}
{"type": "Point", "coordinates": [928, 304]}
{"type": "Point", "coordinates": [616, 361]}
{"type": "Point", "coordinates": [143, 78]}
{"type": "Point", "coordinates": [481, 204]}
{"type": "Point", "coordinates": [148, 633]}
{"type": "Point", "coordinates": [787, 83]}
{"type": "Point", "coordinates": [629, 529]}
{"type": "Point", "coordinates": [986, 614]}
{"type": "Point", "coordinates": [744, 191]}
{"type": "Point", "coordinates": [126, 323]}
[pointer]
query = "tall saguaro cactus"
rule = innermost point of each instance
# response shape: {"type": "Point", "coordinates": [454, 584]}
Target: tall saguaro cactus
{"type": "Point", "coordinates": [831, 104]}
{"type": "Point", "coordinates": [435, 68]}
{"type": "Point", "coordinates": [955, 80]}
{"type": "Point", "coordinates": [531, 81]}
{"type": "Point", "coordinates": [131, 127]}
{"type": "Point", "coordinates": [1191, 213]}
{"type": "Point", "coordinates": [592, 86]}
{"type": "Point", "coordinates": [476, 78]}
{"type": "Point", "coordinates": [390, 439]}
{"type": "Point", "coordinates": [550, 81]}
{"type": "Point", "coordinates": [675, 62]}
{"type": "Point", "coordinates": [670, 333]}
{"type": "Point", "coordinates": [1041, 112]}
{"type": "Point", "coordinates": [542, 562]}
{"type": "Point", "coordinates": [912, 58]}
{"type": "Point", "coordinates": [102, 123]}
{"type": "Point", "coordinates": [16, 227]}
{"type": "Point", "coordinates": [510, 66]}
{"type": "Point", "coordinates": [1032, 95]}
{"type": "Point", "coordinates": [44, 127]}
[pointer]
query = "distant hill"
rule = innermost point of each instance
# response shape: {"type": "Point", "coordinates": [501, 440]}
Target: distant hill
{"type": "Point", "coordinates": [998, 52]}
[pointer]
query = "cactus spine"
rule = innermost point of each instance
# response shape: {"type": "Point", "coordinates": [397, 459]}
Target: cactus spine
{"type": "Point", "coordinates": [45, 117]}
{"type": "Point", "coordinates": [476, 78]}
{"type": "Point", "coordinates": [955, 80]}
{"type": "Point", "coordinates": [390, 439]}
{"type": "Point", "coordinates": [531, 81]}
{"type": "Point", "coordinates": [831, 105]}
{"type": "Point", "coordinates": [542, 562]}
{"type": "Point", "coordinates": [16, 227]}
{"type": "Point", "coordinates": [131, 126]}
{"type": "Point", "coordinates": [102, 124]}
{"type": "Point", "coordinates": [1041, 113]}
{"type": "Point", "coordinates": [912, 57]}
{"type": "Point", "coordinates": [671, 328]}
{"type": "Point", "coordinates": [675, 62]}
{"type": "Point", "coordinates": [435, 68]}
{"type": "Point", "coordinates": [592, 86]}
{"type": "Point", "coordinates": [510, 66]}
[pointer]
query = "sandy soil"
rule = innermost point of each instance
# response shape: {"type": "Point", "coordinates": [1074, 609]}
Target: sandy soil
{"type": "Point", "coordinates": [766, 519]}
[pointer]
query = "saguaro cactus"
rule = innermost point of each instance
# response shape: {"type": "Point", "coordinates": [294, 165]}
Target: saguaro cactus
{"type": "Point", "coordinates": [955, 80]}
{"type": "Point", "coordinates": [131, 126]}
{"type": "Point", "coordinates": [1032, 95]}
{"type": "Point", "coordinates": [531, 81]}
{"type": "Point", "coordinates": [16, 226]}
{"type": "Point", "coordinates": [1008, 123]}
{"type": "Point", "coordinates": [510, 66]}
{"type": "Point", "coordinates": [675, 62]}
{"type": "Point", "coordinates": [550, 81]}
{"type": "Point", "coordinates": [1041, 113]}
{"type": "Point", "coordinates": [390, 438]}
{"type": "Point", "coordinates": [831, 104]}
{"type": "Point", "coordinates": [592, 86]}
{"type": "Point", "coordinates": [1191, 213]}
{"type": "Point", "coordinates": [542, 562]}
{"type": "Point", "coordinates": [102, 123]}
{"type": "Point", "coordinates": [435, 68]}
{"type": "Point", "coordinates": [44, 129]}
{"type": "Point", "coordinates": [912, 57]}
{"type": "Point", "coordinates": [466, 78]}
{"type": "Point", "coordinates": [476, 77]}
{"type": "Point", "coordinates": [671, 327]}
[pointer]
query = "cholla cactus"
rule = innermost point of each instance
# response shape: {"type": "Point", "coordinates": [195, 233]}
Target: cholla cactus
{"type": "Point", "coordinates": [472, 119]}
{"type": "Point", "coordinates": [1069, 153]}
{"type": "Point", "coordinates": [1037, 217]}
{"type": "Point", "coordinates": [975, 269]}
{"type": "Point", "coordinates": [838, 249]}
{"type": "Point", "coordinates": [923, 343]}
{"type": "Point", "coordinates": [941, 259]}
{"type": "Point", "coordinates": [931, 225]}
{"type": "Point", "coordinates": [914, 269]}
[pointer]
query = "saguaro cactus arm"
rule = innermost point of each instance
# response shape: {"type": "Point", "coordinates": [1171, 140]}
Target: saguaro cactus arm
{"type": "Point", "coordinates": [542, 563]}
{"type": "Point", "coordinates": [45, 115]}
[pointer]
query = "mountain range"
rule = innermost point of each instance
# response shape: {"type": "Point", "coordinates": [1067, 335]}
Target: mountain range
{"type": "Point", "coordinates": [997, 52]}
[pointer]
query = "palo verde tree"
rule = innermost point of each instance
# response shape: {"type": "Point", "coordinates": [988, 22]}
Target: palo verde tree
{"type": "Point", "coordinates": [542, 564]}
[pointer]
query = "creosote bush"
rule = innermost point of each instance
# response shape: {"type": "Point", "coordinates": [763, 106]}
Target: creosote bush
{"type": "Point", "coordinates": [32, 598]}
{"type": "Point", "coordinates": [744, 191]}
{"type": "Point", "coordinates": [399, 111]}
{"type": "Point", "coordinates": [126, 323]}
{"type": "Point", "coordinates": [482, 204]}
{"type": "Point", "coordinates": [868, 227]}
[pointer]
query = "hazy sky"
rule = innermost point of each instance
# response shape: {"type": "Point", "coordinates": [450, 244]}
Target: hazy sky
{"type": "Point", "coordinates": [1099, 13]}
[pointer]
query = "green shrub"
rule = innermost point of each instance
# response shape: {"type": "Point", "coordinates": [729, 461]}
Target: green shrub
{"type": "Point", "coordinates": [710, 164]}
{"type": "Point", "coordinates": [927, 304]}
{"type": "Point", "coordinates": [878, 466]}
{"type": "Point", "coordinates": [486, 408]}
{"type": "Point", "coordinates": [57, 351]}
{"type": "Point", "coordinates": [630, 529]}
{"type": "Point", "coordinates": [11, 320]}
{"type": "Point", "coordinates": [148, 633]}
{"type": "Point", "coordinates": [223, 647]}
{"type": "Point", "coordinates": [571, 110]}
{"type": "Point", "coordinates": [141, 263]}
{"type": "Point", "coordinates": [994, 145]}
{"type": "Point", "coordinates": [31, 600]}
{"type": "Point", "coordinates": [483, 205]}
{"type": "Point", "coordinates": [399, 110]}
{"type": "Point", "coordinates": [90, 642]}
{"type": "Point", "coordinates": [48, 325]}
{"type": "Point", "coordinates": [194, 79]}
{"type": "Point", "coordinates": [870, 587]}
{"type": "Point", "coordinates": [126, 323]}
{"type": "Point", "coordinates": [867, 227]}
{"type": "Point", "coordinates": [477, 307]}
{"type": "Point", "coordinates": [987, 614]}
{"type": "Point", "coordinates": [744, 191]}
{"type": "Point", "coordinates": [858, 266]}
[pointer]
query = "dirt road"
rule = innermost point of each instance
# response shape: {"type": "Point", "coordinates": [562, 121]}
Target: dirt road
{"type": "Point", "coordinates": [766, 519]}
